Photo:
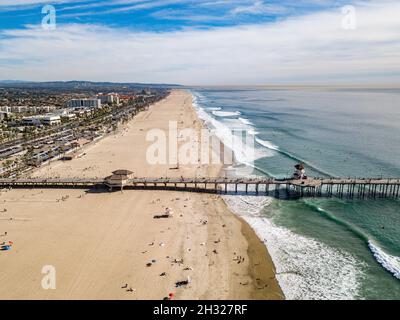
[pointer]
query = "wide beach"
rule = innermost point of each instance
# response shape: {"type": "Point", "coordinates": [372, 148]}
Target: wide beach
{"type": "Point", "coordinates": [102, 244]}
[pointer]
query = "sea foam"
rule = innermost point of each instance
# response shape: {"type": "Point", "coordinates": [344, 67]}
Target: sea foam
{"type": "Point", "coordinates": [305, 268]}
{"type": "Point", "coordinates": [246, 121]}
{"type": "Point", "coordinates": [267, 144]}
{"type": "Point", "coordinates": [226, 113]}
{"type": "Point", "coordinates": [389, 262]}
{"type": "Point", "coordinates": [245, 154]}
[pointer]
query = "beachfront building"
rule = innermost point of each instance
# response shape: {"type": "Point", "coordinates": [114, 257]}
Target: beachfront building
{"type": "Point", "coordinates": [50, 120]}
{"type": "Point", "coordinates": [68, 116]}
{"type": "Point", "coordinates": [47, 120]}
{"type": "Point", "coordinates": [31, 121]}
{"type": "Point", "coordinates": [146, 92]}
{"type": "Point", "coordinates": [110, 98]}
{"type": "Point", "coordinates": [118, 179]}
{"type": "Point", "coordinates": [126, 98]}
{"type": "Point", "coordinates": [27, 109]}
{"type": "Point", "coordinates": [84, 103]}
{"type": "Point", "coordinates": [4, 115]}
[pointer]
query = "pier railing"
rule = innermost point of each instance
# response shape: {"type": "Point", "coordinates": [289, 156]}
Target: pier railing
{"type": "Point", "coordinates": [280, 188]}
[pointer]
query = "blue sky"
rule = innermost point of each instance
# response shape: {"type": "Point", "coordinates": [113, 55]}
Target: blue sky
{"type": "Point", "coordinates": [202, 41]}
{"type": "Point", "coordinates": [160, 15]}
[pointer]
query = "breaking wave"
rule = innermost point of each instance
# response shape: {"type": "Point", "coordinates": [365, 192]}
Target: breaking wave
{"type": "Point", "coordinates": [223, 114]}
{"type": "Point", "coordinates": [387, 261]}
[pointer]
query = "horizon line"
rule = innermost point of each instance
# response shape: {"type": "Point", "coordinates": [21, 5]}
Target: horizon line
{"type": "Point", "coordinates": [299, 84]}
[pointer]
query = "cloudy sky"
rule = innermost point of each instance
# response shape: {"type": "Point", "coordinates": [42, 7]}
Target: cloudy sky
{"type": "Point", "coordinates": [202, 42]}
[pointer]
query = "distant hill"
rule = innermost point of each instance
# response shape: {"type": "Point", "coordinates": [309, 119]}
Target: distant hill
{"type": "Point", "coordinates": [11, 81]}
{"type": "Point", "coordinates": [81, 84]}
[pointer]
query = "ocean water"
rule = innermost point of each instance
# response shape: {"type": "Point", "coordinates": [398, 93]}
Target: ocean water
{"type": "Point", "coordinates": [322, 248]}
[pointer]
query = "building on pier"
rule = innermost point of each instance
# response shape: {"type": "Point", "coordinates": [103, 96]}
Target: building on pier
{"type": "Point", "coordinates": [118, 179]}
{"type": "Point", "coordinates": [300, 172]}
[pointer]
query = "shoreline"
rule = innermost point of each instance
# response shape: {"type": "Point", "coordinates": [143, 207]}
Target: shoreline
{"type": "Point", "coordinates": [260, 270]}
{"type": "Point", "coordinates": [98, 249]}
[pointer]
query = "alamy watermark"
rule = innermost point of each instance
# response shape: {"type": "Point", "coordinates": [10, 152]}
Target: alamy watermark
{"type": "Point", "coordinates": [49, 279]}
{"type": "Point", "coordinates": [349, 20]}
{"type": "Point", "coordinates": [189, 146]}
{"type": "Point", "coordinates": [49, 21]}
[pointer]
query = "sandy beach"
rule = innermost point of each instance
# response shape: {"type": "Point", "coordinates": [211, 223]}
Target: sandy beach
{"type": "Point", "coordinates": [109, 246]}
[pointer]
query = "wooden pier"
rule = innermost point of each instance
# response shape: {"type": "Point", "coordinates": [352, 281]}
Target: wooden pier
{"type": "Point", "coordinates": [285, 188]}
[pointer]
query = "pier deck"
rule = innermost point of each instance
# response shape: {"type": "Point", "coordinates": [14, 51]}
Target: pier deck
{"type": "Point", "coordinates": [335, 187]}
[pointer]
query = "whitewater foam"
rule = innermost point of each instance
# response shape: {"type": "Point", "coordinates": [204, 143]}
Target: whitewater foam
{"type": "Point", "coordinates": [267, 144]}
{"type": "Point", "coordinates": [253, 132]}
{"type": "Point", "coordinates": [246, 121]}
{"type": "Point", "coordinates": [389, 262]}
{"type": "Point", "coordinates": [223, 114]}
{"type": "Point", "coordinates": [306, 269]}
{"type": "Point", "coordinates": [271, 146]}
{"type": "Point", "coordinates": [244, 153]}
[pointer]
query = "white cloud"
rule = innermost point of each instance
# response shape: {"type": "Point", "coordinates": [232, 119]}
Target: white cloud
{"type": "Point", "coordinates": [145, 5]}
{"type": "Point", "coordinates": [258, 7]}
{"type": "Point", "coordinates": [15, 3]}
{"type": "Point", "coordinates": [313, 48]}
